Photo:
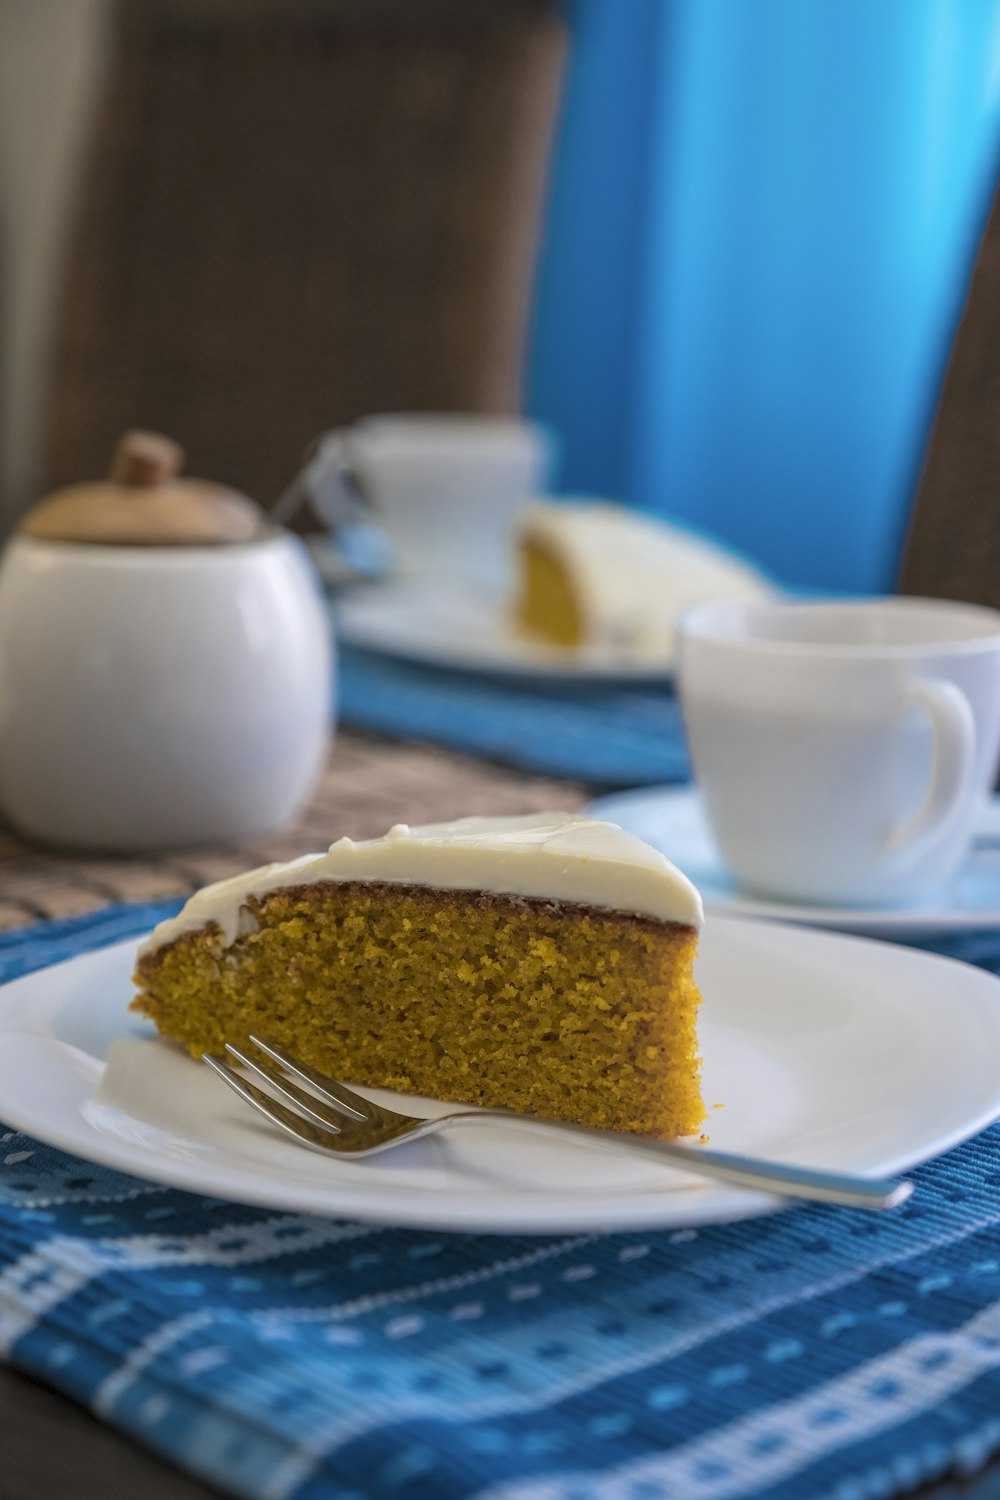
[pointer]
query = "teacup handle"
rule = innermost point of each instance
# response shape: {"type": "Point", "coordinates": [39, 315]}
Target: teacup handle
{"type": "Point", "coordinates": [954, 752]}
{"type": "Point", "coordinates": [327, 484]}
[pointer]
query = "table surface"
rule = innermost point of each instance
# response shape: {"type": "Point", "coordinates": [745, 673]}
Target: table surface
{"type": "Point", "coordinates": [51, 1447]}
{"type": "Point", "coordinates": [368, 785]}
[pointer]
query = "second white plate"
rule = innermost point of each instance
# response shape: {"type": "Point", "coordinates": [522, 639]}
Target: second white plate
{"type": "Point", "coordinates": [850, 1055]}
{"type": "Point", "coordinates": [673, 820]}
{"type": "Point", "coordinates": [447, 623]}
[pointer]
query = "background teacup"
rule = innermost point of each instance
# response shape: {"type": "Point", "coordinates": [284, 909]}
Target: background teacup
{"type": "Point", "coordinates": [444, 489]}
{"type": "Point", "coordinates": [843, 749]}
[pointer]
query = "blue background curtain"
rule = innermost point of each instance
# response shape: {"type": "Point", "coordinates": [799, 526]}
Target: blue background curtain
{"type": "Point", "coordinates": [762, 221]}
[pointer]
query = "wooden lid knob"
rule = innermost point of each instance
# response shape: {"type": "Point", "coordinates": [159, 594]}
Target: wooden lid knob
{"type": "Point", "coordinates": [144, 503]}
{"type": "Point", "coordinates": [145, 458]}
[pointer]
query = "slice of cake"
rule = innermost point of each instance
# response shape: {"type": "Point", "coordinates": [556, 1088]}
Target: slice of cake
{"type": "Point", "coordinates": [541, 964]}
{"type": "Point", "coordinates": [597, 575]}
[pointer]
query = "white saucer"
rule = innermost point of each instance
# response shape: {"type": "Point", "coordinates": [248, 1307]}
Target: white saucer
{"type": "Point", "coordinates": [849, 1055]}
{"type": "Point", "coordinates": [673, 820]}
{"type": "Point", "coordinates": [464, 627]}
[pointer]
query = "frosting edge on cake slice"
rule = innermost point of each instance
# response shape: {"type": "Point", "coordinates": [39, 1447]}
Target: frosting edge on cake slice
{"type": "Point", "coordinates": [543, 856]}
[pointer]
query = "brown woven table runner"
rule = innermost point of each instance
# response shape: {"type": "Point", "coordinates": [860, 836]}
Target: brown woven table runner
{"type": "Point", "coordinates": [369, 784]}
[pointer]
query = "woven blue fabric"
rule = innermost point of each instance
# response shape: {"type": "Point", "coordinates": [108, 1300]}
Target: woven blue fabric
{"type": "Point", "coordinates": [607, 735]}
{"type": "Point", "coordinates": [817, 1353]}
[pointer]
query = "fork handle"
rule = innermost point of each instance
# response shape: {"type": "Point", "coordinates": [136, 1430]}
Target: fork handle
{"type": "Point", "coordinates": [781, 1178]}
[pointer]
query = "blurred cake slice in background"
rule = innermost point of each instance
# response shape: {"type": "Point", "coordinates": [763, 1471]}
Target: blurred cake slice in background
{"type": "Point", "coordinates": [597, 576]}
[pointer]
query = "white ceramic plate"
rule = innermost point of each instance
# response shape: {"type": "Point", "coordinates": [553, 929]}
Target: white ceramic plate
{"type": "Point", "coordinates": [850, 1055]}
{"type": "Point", "coordinates": [673, 820]}
{"type": "Point", "coordinates": [462, 627]}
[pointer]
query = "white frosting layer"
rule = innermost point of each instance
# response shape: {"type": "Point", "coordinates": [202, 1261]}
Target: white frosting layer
{"type": "Point", "coordinates": [553, 856]}
{"type": "Point", "coordinates": [635, 574]}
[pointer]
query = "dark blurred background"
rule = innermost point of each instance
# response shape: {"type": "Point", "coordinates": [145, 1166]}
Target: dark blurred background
{"type": "Point", "coordinates": [721, 247]}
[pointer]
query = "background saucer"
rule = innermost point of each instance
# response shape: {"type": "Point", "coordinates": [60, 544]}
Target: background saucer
{"type": "Point", "coordinates": [673, 820]}
{"type": "Point", "coordinates": [460, 626]}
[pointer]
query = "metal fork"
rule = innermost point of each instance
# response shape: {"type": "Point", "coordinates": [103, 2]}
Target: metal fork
{"type": "Point", "coordinates": [324, 1114]}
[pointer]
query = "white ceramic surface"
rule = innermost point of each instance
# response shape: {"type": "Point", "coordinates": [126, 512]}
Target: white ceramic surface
{"type": "Point", "coordinates": [443, 488]}
{"type": "Point", "coordinates": [673, 820]}
{"type": "Point", "coordinates": [843, 749]}
{"type": "Point", "coordinates": [152, 697]}
{"type": "Point", "coordinates": [847, 1054]}
{"type": "Point", "coordinates": [466, 628]}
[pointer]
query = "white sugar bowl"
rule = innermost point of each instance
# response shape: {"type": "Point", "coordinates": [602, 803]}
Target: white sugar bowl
{"type": "Point", "coordinates": [166, 672]}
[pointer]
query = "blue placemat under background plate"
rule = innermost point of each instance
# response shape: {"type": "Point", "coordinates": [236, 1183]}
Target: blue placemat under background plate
{"type": "Point", "coordinates": [612, 734]}
{"type": "Point", "coordinates": [601, 733]}
{"type": "Point", "coordinates": [818, 1353]}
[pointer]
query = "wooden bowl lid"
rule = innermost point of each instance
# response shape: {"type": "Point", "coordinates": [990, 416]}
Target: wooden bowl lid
{"type": "Point", "coordinates": [143, 503]}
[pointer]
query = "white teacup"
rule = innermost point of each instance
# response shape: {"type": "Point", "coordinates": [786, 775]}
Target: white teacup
{"type": "Point", "coordinates": [843, 749]}
{"type": "Point", "coordinates": [444, 490]}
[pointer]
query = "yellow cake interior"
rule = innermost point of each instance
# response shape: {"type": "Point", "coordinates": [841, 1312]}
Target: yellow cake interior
{"type": "Point", "coordinates": [547, 605]}
{"type": "Point", "coordinates": [561, 1010]}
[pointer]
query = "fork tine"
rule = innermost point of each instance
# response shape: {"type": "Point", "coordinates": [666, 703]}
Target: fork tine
{"type": "Point", "coordinates": [306, 1104]}
{"type": "Point", "coordinates": [287, 1119]}
{"type": "Point", "coordinates": [335, 1093]}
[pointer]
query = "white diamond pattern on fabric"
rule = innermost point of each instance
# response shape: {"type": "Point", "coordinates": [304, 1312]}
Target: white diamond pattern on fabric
{"type": "Point", "coordinates": [730, 1463]}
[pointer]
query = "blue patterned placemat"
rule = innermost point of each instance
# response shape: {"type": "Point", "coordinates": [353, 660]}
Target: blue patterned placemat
{"type": "Point", "coordinates": [818, 1353]}
{"type": "Point", "coordinates": [608, 735]}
